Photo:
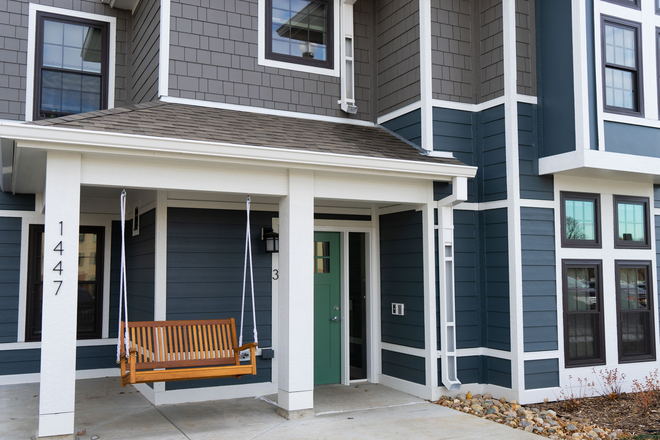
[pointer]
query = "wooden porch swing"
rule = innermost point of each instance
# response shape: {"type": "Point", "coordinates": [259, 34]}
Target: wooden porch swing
{"type": "Point", "coordinates": [164, 351]}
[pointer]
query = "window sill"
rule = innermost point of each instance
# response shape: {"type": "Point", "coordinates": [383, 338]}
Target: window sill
{"type": "Point", "coordinates": [263, 61]}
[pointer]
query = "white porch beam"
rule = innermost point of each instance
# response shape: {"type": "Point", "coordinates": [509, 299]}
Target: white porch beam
{"type": "Point", "coordinates": [296, 296]}
{"type": "Point", "coordinates": [60, 296]}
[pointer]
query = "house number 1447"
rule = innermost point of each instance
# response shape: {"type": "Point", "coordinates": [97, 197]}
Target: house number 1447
{"type": "Point", "coordinates": [58, 266]}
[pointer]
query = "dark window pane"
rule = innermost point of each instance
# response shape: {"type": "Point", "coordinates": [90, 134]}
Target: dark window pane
{"type": "Point", "coordinates": [87, 308]}
{"type": "Point", "coordinates": [583, 338]}
{"type": "Point", "coordinates": [300, 29]}
{"type": "Point", "coordinates": [635, 334]}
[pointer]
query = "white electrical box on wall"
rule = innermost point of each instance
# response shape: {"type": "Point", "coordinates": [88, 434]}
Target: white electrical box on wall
{"type": "Point", "coordinates": [397, 309]}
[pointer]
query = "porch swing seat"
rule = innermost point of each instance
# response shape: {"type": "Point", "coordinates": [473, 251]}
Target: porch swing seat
{"type": "Point", "coordinates": [163, 351]}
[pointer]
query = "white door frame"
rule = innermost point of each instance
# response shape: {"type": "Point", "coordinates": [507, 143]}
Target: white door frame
{"type": "Point", "coordinates": [373, 344]}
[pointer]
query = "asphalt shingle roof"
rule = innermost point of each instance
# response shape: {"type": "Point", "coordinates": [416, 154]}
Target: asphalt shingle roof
{"type": "Point", "coordinates": [180, 121]}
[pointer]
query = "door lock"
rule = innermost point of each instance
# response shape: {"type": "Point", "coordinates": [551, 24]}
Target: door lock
{"type": "Point", "coordinates": [335, 319]}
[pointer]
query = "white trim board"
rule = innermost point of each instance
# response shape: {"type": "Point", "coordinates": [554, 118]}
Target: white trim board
{"type": "Point", "coordinates": [440, 103]}
{"type": "Point", "coordinates": [32, 51]}
{"type": "Point", "coordinates": [164, 49]}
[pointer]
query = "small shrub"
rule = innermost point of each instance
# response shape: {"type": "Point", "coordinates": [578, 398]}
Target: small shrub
{"type": "Point", "coordinates": [610, 382]}
{"type": "Point", "coordinates": [573, 395]}
{"type": "Point", "coordinates": [646, 393]}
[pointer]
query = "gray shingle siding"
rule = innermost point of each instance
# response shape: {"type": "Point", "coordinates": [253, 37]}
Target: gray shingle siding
{"type": "Point", "coordinates": [144, 52]}
{"type": "Point", "coordinates": [214, 57]}
{"type": "Point", "coordinates": [656, 196]}
{"type": "Point", "coordinates": [205, 275]}
{"type": "Point", "coordinates": [13, 50]}
{"type": "Point", "coordinates": [402, 278]}
{"type": "Point", "coordinates": [10, 260]}
{"type": "Point", "coordinates": [532, 186]}
{"type": "Point", "coordinates": [525, 47]}
{"type": "Point", "coordinates": [451, 45]}
{"type": "Point", "coordinates": [543, 373]}
{"type": "Point", "coordinates": [491, 49]}
{"type": "Point", "coordinates": [397, 54]}
{"type": "Point", "coordinates": [539, 279]}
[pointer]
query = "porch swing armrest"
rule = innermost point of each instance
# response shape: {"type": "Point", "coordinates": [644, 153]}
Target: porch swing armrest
{"type": "Point", "coordinates": [131, 362]}
{"type": "Point", "coordinates": [251, 345]}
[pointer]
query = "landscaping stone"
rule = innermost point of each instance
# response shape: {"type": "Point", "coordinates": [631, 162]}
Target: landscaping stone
{"type": "Point", "coordinates": [528, 418]}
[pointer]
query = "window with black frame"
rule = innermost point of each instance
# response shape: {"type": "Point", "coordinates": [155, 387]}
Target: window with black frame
{"type": "Point", "coordinates": [90, 282]}
{"type": "Point", "coordinates": [631, 222]}
{"type": "Point", "coordinates": [580, 217]}
{"type": "Point", "coordinates": [634, 290]}
{"type": "Point", "coordinates": [583, 313]}
{"type": "Point", "coordinates": [622, 83]}
{"type": "Point", "coordinates": [300, 31]}
{"type": "Point", "coordinates": [71, 66]}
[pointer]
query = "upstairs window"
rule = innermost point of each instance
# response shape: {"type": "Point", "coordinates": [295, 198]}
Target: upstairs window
{"type": "Point", "coordinates": [300, 31]}
{"type": "Point", "coordinates": [71, 64]}
{"type": "Point", "coordinates": [580, 220]}
{"type": "Point", "coordinates": [631, 222]}
{"type": "Point", "coordinates": [621, 66]}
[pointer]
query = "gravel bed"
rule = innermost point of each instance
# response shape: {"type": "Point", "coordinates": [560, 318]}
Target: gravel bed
{"type": "Point", "coordinates": [527, 418]}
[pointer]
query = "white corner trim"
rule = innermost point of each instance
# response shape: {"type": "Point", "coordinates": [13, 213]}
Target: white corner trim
{"type": "Point", "coordinates": [425, 73]}
{"type": "Point", "coordinates": [261, 45]}
{"type": "Point", "coordinates": [32, 51]}
{"type": "Point", "coordinates": [164, 49]}
{"type": "Point", "coordinates": [580, 75]}
{"type": "Point", "coordinates": [264, 111]}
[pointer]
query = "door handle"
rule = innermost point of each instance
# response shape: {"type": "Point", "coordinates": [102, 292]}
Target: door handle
{"type": "Point", "coordinates": [335, 319]}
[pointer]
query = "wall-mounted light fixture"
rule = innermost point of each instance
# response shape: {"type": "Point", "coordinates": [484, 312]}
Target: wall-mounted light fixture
{"type": "Point", "coordinates": [272, 240]}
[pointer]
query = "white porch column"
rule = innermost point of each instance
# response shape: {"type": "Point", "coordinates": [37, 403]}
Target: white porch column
{"type": "Point", "coordinates": [60, 296]}
{"type": "Point", "coordinates": [430, 321]}
{"type": "Point", "coordinates": [296, 296]}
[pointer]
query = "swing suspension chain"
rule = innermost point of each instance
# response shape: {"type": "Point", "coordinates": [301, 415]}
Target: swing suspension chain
{"type": "Point", "coordinates": [123, 298]}
{"type": "Point", "coordinates": [248, 254]}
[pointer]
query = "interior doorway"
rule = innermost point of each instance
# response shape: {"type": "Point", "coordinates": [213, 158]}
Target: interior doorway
{"type": "Point", "coordinates": [357, 305]}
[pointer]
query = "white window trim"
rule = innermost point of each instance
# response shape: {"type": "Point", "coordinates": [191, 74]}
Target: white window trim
{"type": "Point", "coordinates": [32, 51]}
{"type": "Point", "coordinates": [263, 61]}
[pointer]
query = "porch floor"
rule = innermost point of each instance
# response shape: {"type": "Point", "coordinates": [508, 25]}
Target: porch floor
{"type": "Point", "coordinates": [106, 410]}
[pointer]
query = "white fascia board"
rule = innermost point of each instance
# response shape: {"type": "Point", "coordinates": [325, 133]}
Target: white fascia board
{"type": "Point", "coordinates": [599, 160]}
{"type": "Point", "coordinates": [82, 141]}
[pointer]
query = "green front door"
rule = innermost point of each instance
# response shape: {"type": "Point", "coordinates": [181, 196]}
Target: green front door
{"type": "Point", "coordinates": [327, 315]}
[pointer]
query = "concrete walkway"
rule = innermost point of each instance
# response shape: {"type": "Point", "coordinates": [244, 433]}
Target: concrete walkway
{"type": "Point", "coordinates": [106, 410]}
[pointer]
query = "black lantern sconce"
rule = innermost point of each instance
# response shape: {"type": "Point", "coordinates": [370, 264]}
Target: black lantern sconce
{"type": "Point", "coordinates": [272, 240]}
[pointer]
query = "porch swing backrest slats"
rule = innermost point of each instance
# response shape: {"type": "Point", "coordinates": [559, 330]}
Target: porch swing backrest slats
{"type": "Point", "coordinates": [175, 344]}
